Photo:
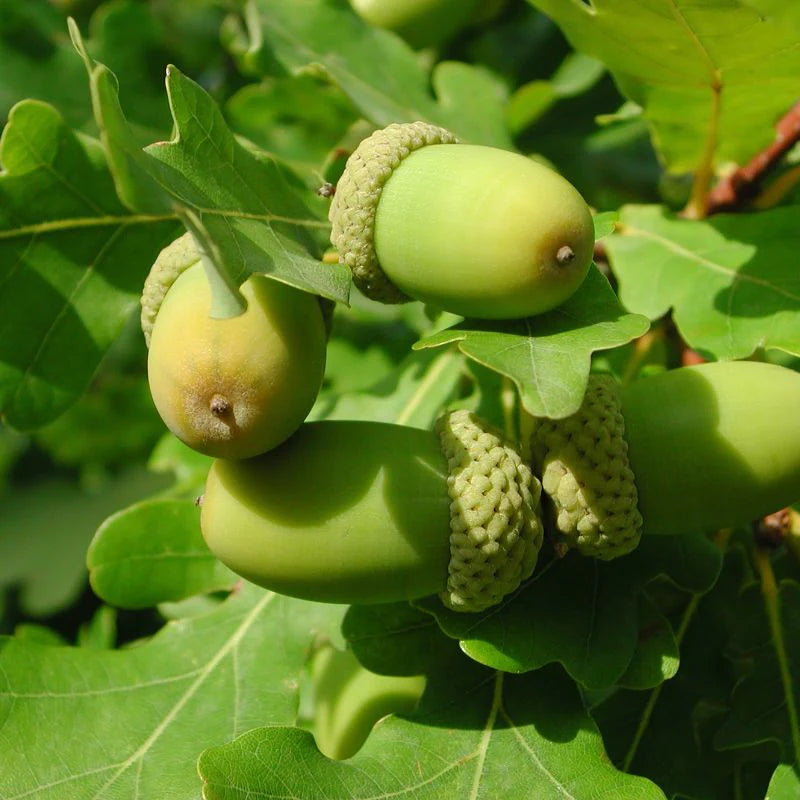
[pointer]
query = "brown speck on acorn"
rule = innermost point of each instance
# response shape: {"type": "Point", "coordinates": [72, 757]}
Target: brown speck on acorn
{"type": "Point", "coordinates": [565, 254]}
{"type": "Point", "coordinates": [219, 405]}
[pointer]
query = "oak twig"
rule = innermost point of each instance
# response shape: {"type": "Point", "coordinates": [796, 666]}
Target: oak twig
{"type": "Point", "coordinates": [772, 531]}
{"type": "Point", "coordinates": [743, 183]}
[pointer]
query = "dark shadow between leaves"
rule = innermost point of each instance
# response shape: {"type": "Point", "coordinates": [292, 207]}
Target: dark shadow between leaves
{"type": "Point", "coordinates": [395, 638]}
{"type": "Point", "coordinates": [463, 695]}
{"type": "Point", "coordinates": [45, 346]}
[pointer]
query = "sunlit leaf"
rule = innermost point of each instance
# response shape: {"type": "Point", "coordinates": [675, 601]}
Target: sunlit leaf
{"type": "Point", "coordinates": [73, 263]}
{"type": "Point", "coordinates": [697, 69]}
{"type": "Point", "coordinates": [415, 393]}
{"type": "Point", "coordinates": [731, 280]}
{"type": "Point", "coordinates": [548, 356]}
{"type": "Point", "coordinates": [475, 734]}
{"type": "Point", "coordinates": [785, 783]}
{"type": "Point", "coordinates": [153, 552]}
{"type": "Point", "coordinates": [247, 211]}
{"type": "Point", "coordinates": [136, 719]}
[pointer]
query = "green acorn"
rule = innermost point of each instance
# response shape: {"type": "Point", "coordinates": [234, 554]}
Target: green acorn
{"type": "Point", "coordinates": [424, 23]}
{"type": "Point", "coordinates": [349, 700]}
{"type": "Point", "coordinates": [473, 230]}
{"type": "Point", "coordinates": [365, 512]}
{"type": "Point", "coordinates": [689, 450]}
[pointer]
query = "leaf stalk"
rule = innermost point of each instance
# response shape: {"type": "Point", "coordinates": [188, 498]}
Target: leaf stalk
{"type": "Point", "coordinates": [772, 605]}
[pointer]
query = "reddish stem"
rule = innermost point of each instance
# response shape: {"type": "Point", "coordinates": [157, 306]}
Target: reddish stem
{"type": "Point", "coordinates": [743, 183]}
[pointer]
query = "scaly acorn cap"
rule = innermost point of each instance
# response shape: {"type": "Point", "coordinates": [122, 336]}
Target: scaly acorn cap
{"type": "Point", "coordinates": [496, 529]}
{"type": "Point", "coordinates": [170, 263]}
{"type": "Point", "coordinates": [352, 211]}
{"type": "Point", "coordinates": [583, 463]}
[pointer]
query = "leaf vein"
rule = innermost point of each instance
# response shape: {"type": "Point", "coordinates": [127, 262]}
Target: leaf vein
{"type": "Point", "coordinates": [231, 643]}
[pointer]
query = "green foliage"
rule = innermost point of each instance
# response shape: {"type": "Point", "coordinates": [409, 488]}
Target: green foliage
{"type": "Point", "coordinates": [296, 117]}
{"type": "Point", "coordinates": [719, 57]}
{"type": "Point", "coordinates": [594, 629]}
{"type": "Point", "coordinates": [152, 553]}
{"type": "Point", "coordinates": [74, 260]}
{"type": "Point", "coordinates": [157, 704]}
{"type": "Point", "coordinates": [46, 528]}
{"type": "Point", "coordinates": [785, 783]}
{"type": "Point", "coordinates": [132, 662]}
{"type": "Point", "coordinates": [722, 277]}
{"type": "Point", "coordinates": [763, 702]}
{"type": "Point", "coordinates": [687, 713]}
{"type": "Point", "coordinates": [379, 73]}
{"type": "Point", "coordinates": [548, 356]}
{"type": "Point", "coordinates": [475, 731]}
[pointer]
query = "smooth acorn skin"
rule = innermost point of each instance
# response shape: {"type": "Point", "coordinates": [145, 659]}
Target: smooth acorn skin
{"type": "Point", "coordinates": [421, 23]}
{"type": "Point", "coordinates": [236, 387]}
{"type": "Point", "coordinates": [713, 445]}
{"type": "Point", "coordinates": [342, 512]}
{"type": "Point", "coordinates": [482, 232]}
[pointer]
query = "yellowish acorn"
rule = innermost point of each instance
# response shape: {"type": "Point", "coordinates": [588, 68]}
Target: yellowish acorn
{"type": "Point", "coordinates": [233, 388]}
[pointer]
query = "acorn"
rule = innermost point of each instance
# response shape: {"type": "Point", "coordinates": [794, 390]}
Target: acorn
{"type": "Point", "coordinates": [230, 388]}
{"type": "Point", "coordinates": [349, 700]}
{"type": "Point", "coordinates": [473, 230]}
{"type": "Point", "coordinates": [423, 23]}
{"type": "Point", "coordinates": [359, 512]}
{"type": "Point", "coordinates": [368, 512]}
{"type": "Point", "coordinates": [689, 450]}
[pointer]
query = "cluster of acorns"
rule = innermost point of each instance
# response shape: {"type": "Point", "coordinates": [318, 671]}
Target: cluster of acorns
{"type": "Point", "coordinates": [361, 512]}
